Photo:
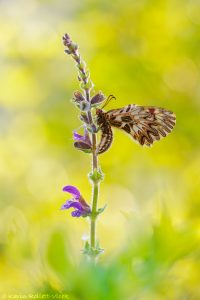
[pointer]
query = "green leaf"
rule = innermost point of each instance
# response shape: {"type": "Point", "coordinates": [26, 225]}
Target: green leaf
{"type": "Point", "coordinates": [56, 253]}
{"type": "Point", "coordinates": [87, 246]}
{"type": "Point", "coordinates": [100, 210]}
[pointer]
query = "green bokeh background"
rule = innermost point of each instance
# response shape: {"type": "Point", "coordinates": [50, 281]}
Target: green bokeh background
{"type": "Point", "coordinates": [144, 52]}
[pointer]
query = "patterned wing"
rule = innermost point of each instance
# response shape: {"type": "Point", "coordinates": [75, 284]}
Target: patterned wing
{"type": "Point", "coordinates": [106, 139]}
{"type": "Point", "coordinates": [146, 124]}
{"type": "Point", "coordinates": [106, 133]}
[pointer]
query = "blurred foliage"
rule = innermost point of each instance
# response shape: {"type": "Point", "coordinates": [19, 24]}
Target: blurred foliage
{"type": "Point", "coordinates": [144, 52]}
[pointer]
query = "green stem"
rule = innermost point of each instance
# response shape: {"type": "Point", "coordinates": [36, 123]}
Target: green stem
{"type": "Point", "coordinates": [93, 215]}
{"type": "Point", "coordinates": [95, 191]}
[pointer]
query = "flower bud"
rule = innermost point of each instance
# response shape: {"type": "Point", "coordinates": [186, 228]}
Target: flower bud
{"type": "Point", "coordinates": [67, 51]}
{"type": "Point", "coordinates": [78, 97]}
{"type": "Point", "coordinates": [73, 46]}
{"type": "Point", "coordinates": [86, 86]}
{"type": "Point", "coordinates": [82, 142]}
{"type": "Point", "coordinates": [81, 66]}
{"type": "Point", "coordinates": [84, 119]}
{"type": "Point", "coordinates": [97, 99]}
{"type": "Point", "coordinates": [66, 40]}
{"type": "Point", "coordinates": [83, 146]}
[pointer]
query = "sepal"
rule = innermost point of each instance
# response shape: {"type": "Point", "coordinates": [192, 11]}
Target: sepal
{"type": "Point", "coordinates": [84, 106]}
{"type": "Point", "coordinates": [84, 118]}
{"type": "Point", "coordinates": [93, 128]}
{"type": "Point", "coordinates": [87, 86]}
{"type": "Point", "coordinates": [96, 176]}
{"type": "Point", "coordinates": [92, 252]}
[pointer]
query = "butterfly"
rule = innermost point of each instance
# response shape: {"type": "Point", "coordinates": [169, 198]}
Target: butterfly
{"type": "Point", "coordinates": [145, 124]}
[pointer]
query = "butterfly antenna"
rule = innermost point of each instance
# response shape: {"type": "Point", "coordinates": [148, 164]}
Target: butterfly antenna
{"type": "Point", "coordinates": [110, 97]}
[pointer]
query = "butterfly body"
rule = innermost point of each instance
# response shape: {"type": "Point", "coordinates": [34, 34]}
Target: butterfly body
{"type": "Point", "coordinates": [145, 124]}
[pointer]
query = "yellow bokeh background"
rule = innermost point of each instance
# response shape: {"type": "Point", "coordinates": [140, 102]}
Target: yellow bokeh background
{"type": "Point", "coordinates": [144, 52]}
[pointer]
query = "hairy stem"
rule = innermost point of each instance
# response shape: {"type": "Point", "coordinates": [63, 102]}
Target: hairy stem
{"type": "Point", "coordinates": [95, 189]}
{"type": "Point", "coordinates": [95, 185]}
{"type": "Point", "coordinates": [93, 216]}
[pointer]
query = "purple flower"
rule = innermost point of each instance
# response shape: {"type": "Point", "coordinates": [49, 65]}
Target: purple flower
{"type": "Point", "coordinates": [82, 142]}
{"type": "Point", "coordinates": [82, 209]}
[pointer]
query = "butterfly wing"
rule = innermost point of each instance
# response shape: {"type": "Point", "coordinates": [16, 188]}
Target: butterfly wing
{"type": "Point", "coordinates": [146, 124]}
{"type": "Point", "coordinates": [106, 138]}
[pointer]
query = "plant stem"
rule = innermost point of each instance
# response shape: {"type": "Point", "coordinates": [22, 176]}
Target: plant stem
{"type": "Point", "coordinates": [95, 190]}
{"type": "Point", "coordinates": [72, 49]}
{"type": "Point", "coordinates": [93, 216]}
{"type": "Point", "coordinates": [95, 184]}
